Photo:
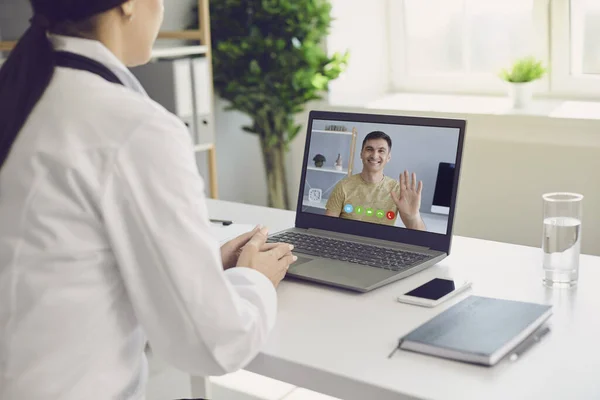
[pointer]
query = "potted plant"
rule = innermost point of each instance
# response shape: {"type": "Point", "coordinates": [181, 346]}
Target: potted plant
{"type": "Point", "coordinates": [319, 160]}
{"type": "Point", "coordinates": [520, 78]}
{"type": "Point", "coordinates": [269, 62]}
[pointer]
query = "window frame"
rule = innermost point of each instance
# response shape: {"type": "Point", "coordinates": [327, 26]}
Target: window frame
{"type": "Point", "coordinates": [563, 82]}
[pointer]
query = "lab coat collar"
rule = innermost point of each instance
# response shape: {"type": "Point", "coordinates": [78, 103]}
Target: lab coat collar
{"type": "Point", "coordinates": [98, 52]}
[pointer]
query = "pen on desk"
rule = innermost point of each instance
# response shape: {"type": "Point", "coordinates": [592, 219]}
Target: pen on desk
{"type": "Point", "coordinates": [528, 343]}
{"type": "Point", "coordinates": [221, 221]}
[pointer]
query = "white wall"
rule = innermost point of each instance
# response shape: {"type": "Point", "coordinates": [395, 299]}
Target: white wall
{"type": "Point", "coordinates": [510, 162]}
{"type": "Point", "coordinates": [240, 167]}
{"type": "Point", "coordinates": [178, 14]}
{"type": "Point", "coordinates": [14, 15]}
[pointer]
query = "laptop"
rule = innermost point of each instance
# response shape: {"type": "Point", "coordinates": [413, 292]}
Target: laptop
{"type": "Point", "coordinates": [350, 231]}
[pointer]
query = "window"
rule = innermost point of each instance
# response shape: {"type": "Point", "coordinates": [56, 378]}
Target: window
{"type": "Point", "coordinates": [585, 30]}
{"type": "Point", "coordinates": [576, 50]}
{"type": "Point", "coordinates": [461, 45]}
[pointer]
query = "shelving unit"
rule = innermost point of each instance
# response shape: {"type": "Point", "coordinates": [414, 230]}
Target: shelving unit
{"type": "Point", "coordinates": [333, 132]}
{"type": "Point", "coordinates": [352, 134]}
{"type": "Point", "coordinates": [329, 169]}
{"type": "Point", "coordinates": [7, 46]}
{"type": "Point", "coordinates": [173, 52]}
{"type": "Point", "coordinates": [346, 171]}
{"type": "Point", "coordinates": [202, 48]}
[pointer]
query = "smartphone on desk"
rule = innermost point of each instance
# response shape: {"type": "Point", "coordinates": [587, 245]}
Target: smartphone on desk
{"type": "Point", "coordinates": [435, 291]}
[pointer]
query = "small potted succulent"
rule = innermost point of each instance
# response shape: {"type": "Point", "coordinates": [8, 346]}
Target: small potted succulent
{"type": "Point", "coordinates": [319, 160]}
{"type": "Point", "coordinates": [520, 79]}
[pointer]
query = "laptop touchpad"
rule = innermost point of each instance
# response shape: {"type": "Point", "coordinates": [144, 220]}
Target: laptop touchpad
{"type": "Point", "coordinates": [299, 261]}
{"type": "Point", "coordinates": [340, 273]}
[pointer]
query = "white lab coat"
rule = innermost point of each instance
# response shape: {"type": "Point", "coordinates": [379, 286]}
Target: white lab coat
{"type": "Point", "coordinates": [105, 244]}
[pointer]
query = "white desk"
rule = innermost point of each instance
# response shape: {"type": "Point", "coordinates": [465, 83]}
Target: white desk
{"type": "Point", "coordinates": [337, 342]}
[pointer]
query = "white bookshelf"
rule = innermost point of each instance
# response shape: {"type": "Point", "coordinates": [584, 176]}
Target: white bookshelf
{"type": "Point", "coordinates": [159, 51]}
{"type": "Point", "coordinates": [332, 132]}
{"type": "Point", "coordinates": [343, 171]}
{"type": "Point", "coordinates": [346, 171]}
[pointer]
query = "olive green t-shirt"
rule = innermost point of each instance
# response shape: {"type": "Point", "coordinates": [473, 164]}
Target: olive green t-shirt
{"type": "Point", "coordinates": [370, 202]}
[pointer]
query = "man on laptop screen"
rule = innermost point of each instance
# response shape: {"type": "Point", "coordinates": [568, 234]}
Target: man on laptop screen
{"type": "Point", "coordinates": [374, 197]}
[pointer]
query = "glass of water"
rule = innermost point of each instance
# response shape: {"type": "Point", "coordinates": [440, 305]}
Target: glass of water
{"type": "Point", "coordinates": [561, 241]}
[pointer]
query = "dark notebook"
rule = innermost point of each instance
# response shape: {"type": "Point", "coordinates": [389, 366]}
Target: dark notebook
{"type": "Point", "coordinates": [477, 330]}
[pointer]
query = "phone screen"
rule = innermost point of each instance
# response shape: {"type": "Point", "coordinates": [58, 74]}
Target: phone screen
{"type": "Point", "coordinates": [434, 289]}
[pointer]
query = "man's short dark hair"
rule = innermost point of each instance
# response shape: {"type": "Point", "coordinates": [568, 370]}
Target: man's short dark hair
{"type": "Point", "coordinates": [378, 135]}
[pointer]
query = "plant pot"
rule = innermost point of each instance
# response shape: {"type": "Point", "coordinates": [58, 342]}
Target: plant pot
{"type": "Point", "coordinates": [520, 94]}
{"type": "Point", "coordinates": [318, 164]}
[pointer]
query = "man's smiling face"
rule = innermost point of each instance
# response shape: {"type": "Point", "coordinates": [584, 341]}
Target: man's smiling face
{"type": "Point", "coordinates": [375, 154]}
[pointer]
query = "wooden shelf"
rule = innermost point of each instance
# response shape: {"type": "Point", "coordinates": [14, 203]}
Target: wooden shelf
{"type": "Point", "coordinates": [204, 147]}
{"type": "Point", "coordinates": [332, 132]}
{"type": "Point", "coordinates": [7, 46]}
{"type": "Point", "coordinates": [182, 35]}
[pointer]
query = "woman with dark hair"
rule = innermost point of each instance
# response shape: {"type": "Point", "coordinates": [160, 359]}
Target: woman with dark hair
{"type": "Point", "coordinates": [105, 241]}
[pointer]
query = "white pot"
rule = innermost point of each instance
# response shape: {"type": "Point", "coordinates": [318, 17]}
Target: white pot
{"type": "Point", "coordinates": [520, 94]}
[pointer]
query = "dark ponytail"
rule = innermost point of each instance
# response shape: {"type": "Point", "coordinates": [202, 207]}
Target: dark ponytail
{"type": "Point", "coordinates": [23, 79]}
{"type": "Point", "coordinates": [28, 70]}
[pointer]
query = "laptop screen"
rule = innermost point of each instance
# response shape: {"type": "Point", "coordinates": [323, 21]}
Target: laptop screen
{"type": "Point", "coordinates": [380, 173]}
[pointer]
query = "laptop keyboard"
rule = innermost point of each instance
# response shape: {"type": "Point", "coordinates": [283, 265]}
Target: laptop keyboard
{"type": "Point", "coordinates": [374, 256]}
